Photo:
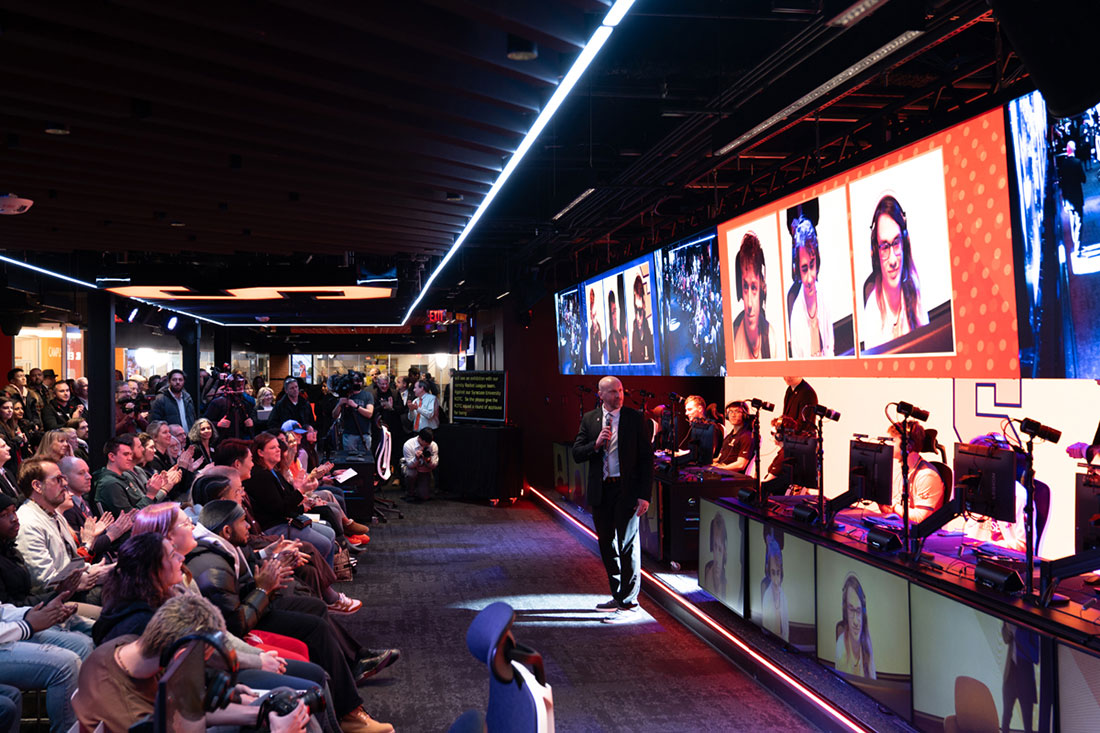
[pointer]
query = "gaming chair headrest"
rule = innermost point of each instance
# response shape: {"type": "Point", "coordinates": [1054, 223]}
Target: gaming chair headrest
{"type": "Point", "coordinates": [489, 638]}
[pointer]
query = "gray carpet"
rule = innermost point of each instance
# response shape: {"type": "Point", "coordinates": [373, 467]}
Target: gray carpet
{"type": "Point", "coordinates": [425, 577]}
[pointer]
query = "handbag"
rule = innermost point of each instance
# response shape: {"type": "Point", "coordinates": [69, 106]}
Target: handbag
{"type": "Point", "coordinates": [341, 565]}
{"type": "Point", "coordinates": [301, 522]}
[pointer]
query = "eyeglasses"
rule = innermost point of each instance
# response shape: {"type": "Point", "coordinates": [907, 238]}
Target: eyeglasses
{"type": "Point", "coordinates": [884, 248]}
{"type": "Point", "coordinates": [853, 609]}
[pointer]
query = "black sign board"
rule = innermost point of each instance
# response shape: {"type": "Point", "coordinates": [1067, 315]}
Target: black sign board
{"type": "Point", "coordinates": [479, 396]}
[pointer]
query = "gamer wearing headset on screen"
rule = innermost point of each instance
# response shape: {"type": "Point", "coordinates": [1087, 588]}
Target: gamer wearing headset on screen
{"type": "Point", "coordinates": [811, 326]}
{"type": "Point", "coordinates": [595, 333]}
{"type": "Point", "coordinates": [892, 302]}
{"type": "Point", "coordinates": [854, 654]}
{"type": "Point", "coordinates": [753, 336]}
{"type": "Point", "coordinates": [714, 572]}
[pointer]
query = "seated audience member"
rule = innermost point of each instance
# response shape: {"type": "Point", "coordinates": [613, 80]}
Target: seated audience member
{"type": "Point", "coordinates": [204, 436]}
{"type": "Point", "coordinates": [926, 493]}
{"type": "Point", "coordinates": [8, 479]}
{"type": "Point", "coordinates": [118, 682]}
{"type": "Point", "coordinates": [174, 405]}
{"type": "Point", "coordinates": [222, 482]}
{"type": "Point", "coordinates": [34, 655]}
{"type": "Point", "coordinates": [130, 601]}
{"type": "Point", "coordinates": [97, 533]}
{"type": "Point", "coordinates": [162, 439]}
{"type": "Point", "coordinates": [13, 435]}
{"type": "Point", "coordinates": [421, 456]}
{"type": "Point", "coordinates": [54, 446]}
{"type": "Point", "coordinates": [246, 596]}
{"type": "Point", "coordinates": [736, 452]}
{"type": "Point", "coordinates": [61, 408]}
{"type": "Point", "coordinates": [117, 488]}
{"type": "Point", "coordinates": [79, 437]}
{"type": "Point", "coordinates": [126, 418]}
{"type": "Point", "coordinates": [293, 405]}
{"type": "Point", "coordinates": [1012, 535]}
{"type": "Point", "coordinates": [276, 504]}
{"type": "Point", "coordinates": [309, 485]}
{"type": "Point", "coordinates": [45, 541]}
{"type": "Point", "coordinates": [703, 436]}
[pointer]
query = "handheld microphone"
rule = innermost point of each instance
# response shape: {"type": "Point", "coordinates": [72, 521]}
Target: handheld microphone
{"type": "Point", "coordinates": [762, 405]}
{"type": "Point", "coordinates": [904, 408]}
{"type": "Point", "coordinates": [607, 420]}
{"type": "Point", "coordinates": [825, 412]}
{"type": "Point", "coordinates": [1037, 430]}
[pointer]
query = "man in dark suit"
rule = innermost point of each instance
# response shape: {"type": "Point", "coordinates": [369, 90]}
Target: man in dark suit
{"type": "Point", "coordinates": [615, 440]}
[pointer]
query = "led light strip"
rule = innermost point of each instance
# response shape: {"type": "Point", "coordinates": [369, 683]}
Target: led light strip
{"type": "Point", "coordinates": [599, 38]}
{"type": "Point", "coordinates": [694, 241]}
{"type": "Point", "coordinates": [806, 692]}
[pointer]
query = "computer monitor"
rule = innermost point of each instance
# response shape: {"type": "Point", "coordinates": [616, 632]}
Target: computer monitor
{"type": "Point", "coordinates": [987, 475]}
{"type": "Point", "coordinates": [800, 453]}
{"type": "Point", "coordinates": [1087, 513]}
{"type": "Point", "coordinates": [722, 555]}
{"type": "Point", "coordinates": [871, 471]}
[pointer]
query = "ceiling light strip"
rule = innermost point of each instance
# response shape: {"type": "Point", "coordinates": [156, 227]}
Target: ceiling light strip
{"type": "Point", "coordinates": [49, 273]}
{"type": "Point", "coordinates": [694, 241]}
{"type": "Point", "coordinates": [809, 98]}
{"type": "Point", "coordinates": [816, 699]}
{"type": "Point", "coordinates": [599, 38]}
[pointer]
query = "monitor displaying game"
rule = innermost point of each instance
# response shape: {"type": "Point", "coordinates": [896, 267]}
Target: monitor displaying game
{"type": "Point", "coordinates": [620, 309]}
{"type": "Point", "coordinates": [722, 555]}
{"type": "Point", "coordinates": [863, 627]}
{"type": "Point", "coordinates": [780, 569]}
{"type": "Point", "coordinates": [969, 665]}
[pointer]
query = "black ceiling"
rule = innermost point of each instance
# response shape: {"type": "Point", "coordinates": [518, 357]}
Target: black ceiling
{"type": "Point", "coordinates": [216, 145]}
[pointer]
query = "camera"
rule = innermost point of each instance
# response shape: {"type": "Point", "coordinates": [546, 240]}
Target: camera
{"type": "Point", "coordinates": [283, 702]}
{"type": "Point", "coordinates": [347, 383]}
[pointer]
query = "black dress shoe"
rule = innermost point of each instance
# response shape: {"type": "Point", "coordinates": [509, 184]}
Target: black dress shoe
{"type": "Point", "coordinates": [609, 606]}
{"type": "Point", "coordinates": [374, 662]}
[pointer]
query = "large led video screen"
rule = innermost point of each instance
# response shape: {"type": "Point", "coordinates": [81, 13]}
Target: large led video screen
{"type": "Point", "coordinates": [897, 266]}
{"type": "Point", "coordinates": [780, 569]}
{"type": "Point", "coordinates": [620, 317]}
{"type": "Point", "coordinates": [691, 296]}
{"type": "Point", "coordinates": [1055, 196]}
{"type": "Point", "coordinates": [1078, 690]}
{"type": "Point", "coordinates": [863, 628]}
{"type": "Point", "coordinates": [722, 555]}
{"type": "Point", "coordinates": [969, 666]}
{"type": "Point", "coordinates": [567, 308]}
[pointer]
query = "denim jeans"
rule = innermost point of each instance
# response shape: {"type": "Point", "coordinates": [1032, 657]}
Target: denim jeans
{"type": "Point", "coordinates": [320, 536]}
{"type": "Point", "coordinates": [31, 665]}
{"type": "Point", "coordinates": [11, 709]}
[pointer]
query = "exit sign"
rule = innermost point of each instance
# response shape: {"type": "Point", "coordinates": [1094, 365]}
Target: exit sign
{"type": "Point", "coordinates": [437, 316]}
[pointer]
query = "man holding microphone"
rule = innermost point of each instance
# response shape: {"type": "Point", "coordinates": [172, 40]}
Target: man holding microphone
{"type": "Point", "coordinates": [615, 440]}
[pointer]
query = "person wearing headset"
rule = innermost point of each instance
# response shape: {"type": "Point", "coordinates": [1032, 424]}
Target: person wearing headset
{"type": "Point", "coordinates": [892, 307]}
{"type": "Point", "coordinates": [753, 336]}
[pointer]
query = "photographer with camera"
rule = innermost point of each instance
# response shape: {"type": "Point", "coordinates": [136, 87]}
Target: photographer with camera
{"type": "Point", "coordinates": [356, 408]}
{"type": "Point", "coordinates": [421, 458]}
{"type": "Point", "coordinates": [232, 411]}
{"type": "Point", "coordinates": [127, 419]}
{"type": "Point", "coordinates": [118, 682]}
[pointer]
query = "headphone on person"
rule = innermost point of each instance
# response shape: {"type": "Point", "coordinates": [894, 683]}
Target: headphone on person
{"type": "Point", "coordinates": [750, 246]}
{"type": "Point", "coordinates": [884, 208]}
{"type": "Point", "coordinates": [219, 684]}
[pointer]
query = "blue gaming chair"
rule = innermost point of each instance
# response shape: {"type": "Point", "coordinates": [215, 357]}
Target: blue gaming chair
{"type": "Point", "coordinates": [520, 701]}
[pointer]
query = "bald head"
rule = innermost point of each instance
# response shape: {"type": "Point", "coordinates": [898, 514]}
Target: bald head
{"type": "Point", "coordinates": [611, 392]}
{"type": "Point", "coordinates": [77, 474]}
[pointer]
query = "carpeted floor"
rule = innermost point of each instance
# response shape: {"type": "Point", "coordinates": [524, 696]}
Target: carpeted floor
{"type": "Point", "coordinates": [425, 577]}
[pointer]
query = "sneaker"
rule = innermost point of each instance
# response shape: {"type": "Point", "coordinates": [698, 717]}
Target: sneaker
{"type": "Point", "coordinates": [624, 615]}
{"type": "Point", "coordinates": [357, 539]}
{"type": "Point", "coordinates": [609, 606]}
{"type": "Point", "coordinates": [345, 605]}
{"type": "Point", "coordinates": [374, 662]}
{"type": "Point", "coordinates": [358, 721]}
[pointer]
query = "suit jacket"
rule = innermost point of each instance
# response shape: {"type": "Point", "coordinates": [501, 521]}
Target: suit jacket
{"type": "Point", "coordinates": [635, 454]}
